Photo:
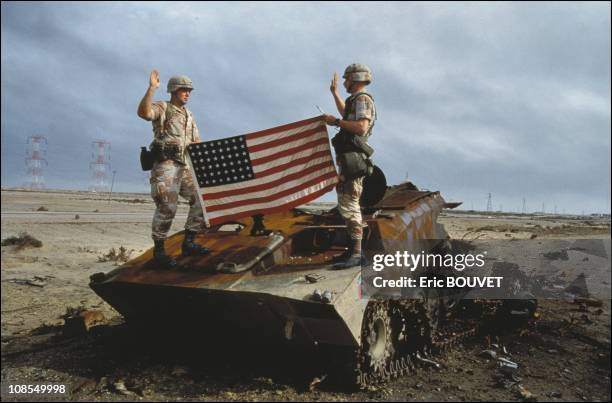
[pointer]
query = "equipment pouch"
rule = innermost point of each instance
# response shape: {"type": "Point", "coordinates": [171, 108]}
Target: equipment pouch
{"type": "Point", "coordinates": [354, 165]}
{"type": "Point", "coordinates": [359, 142]}
{"type": "Point", "coordinates": [146, 159]}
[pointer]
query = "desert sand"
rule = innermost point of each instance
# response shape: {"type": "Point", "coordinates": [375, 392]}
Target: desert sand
{"type": "Point", "coordinates": [567, 358]}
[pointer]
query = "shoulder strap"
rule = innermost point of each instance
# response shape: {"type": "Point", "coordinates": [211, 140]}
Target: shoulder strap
{"type": "Point", "coordinates": [190, 117]}
{"type": "Point", "coordinates": [163, 116]}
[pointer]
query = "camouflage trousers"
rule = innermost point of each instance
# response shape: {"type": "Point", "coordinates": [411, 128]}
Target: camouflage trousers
{"type": "Point", "coordinates": [349, 192]}
{"type": "Point", "coordinates": [169, 179]}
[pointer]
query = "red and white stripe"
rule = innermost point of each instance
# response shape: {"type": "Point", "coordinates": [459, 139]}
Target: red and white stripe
{"type": "Point", "coordinates": [292, 164]}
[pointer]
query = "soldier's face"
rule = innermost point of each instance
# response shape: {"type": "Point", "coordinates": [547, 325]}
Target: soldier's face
{"type": "Point", "coordinates": [347, 84]}
{"type": "Point", "coordinates": [182, 95]}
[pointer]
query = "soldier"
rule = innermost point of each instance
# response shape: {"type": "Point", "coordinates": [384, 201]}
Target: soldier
{"type": "Point", "coordinates": [352, 152]}
{"type": "Point", "coordinates": [174, 128]}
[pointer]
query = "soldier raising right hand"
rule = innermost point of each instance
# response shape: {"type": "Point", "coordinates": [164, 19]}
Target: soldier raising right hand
{"type": "Point", "coordinates": [174, 129]}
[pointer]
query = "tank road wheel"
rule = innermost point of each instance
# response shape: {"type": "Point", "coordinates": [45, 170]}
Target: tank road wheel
{"type": "Point", "coordinates": [377, 341]}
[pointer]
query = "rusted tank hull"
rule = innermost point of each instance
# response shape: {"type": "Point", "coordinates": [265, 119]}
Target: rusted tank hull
{"type": "Point", "coordinates": [225, 314]}
{"type": "Point", "coordinates": [259, 283]}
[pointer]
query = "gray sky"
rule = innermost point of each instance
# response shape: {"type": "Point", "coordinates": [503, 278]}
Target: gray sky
{"type": "Point", "coordinates": [472, 98]}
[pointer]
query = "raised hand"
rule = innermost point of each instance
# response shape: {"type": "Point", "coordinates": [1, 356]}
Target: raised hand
{"type": "Point", "coordinates": [154, 79]}
{"type": "Point", "coordinates": [334, 83]}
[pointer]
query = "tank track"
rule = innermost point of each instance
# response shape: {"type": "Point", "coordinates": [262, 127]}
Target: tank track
{"type": "Point", "coordinates": [412, 334]}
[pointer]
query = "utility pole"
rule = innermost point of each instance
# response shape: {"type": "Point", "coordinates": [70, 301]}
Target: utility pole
{"type": "Point", "coordinates": [99, 165]}
{"type": "Point", "coordinates": [35, 161]}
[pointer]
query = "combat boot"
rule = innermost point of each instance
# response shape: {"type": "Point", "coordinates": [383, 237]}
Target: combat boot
{"type": "Point", "coordinates": [191, 248]}
{"type": "Point", "coordinates": [353, 261]}
{"type": "Point", "coordinates": [160, 257]}
{"type": "Point", "coordinates": [346, 254]}
{"type": "Point", "coordinates": [354, 257]}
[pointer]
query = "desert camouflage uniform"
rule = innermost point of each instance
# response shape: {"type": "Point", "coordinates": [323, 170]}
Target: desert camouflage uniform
{"type": "Point", "coordinates": [349, 191]}
{"type": "Point", "coordinates": [172, 178]}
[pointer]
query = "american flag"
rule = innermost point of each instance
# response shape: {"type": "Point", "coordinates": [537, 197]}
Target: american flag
{"type": "Point", "coordinates": [263, 172]}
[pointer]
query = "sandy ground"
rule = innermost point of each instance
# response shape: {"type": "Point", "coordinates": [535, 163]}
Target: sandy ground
{"type": "Point", "coordinates": [564, 356]}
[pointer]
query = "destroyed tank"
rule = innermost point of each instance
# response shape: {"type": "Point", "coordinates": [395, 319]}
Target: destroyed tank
{"type": "Point", "coordinates": [272, 278]}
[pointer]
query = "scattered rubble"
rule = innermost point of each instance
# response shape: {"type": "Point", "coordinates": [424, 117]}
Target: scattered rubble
{"type": "Point", "coordinates": [525, 394]}
{"type": "Point", "coordinates": [80, 320]}
{"type": "Point", "coordinates": [36, 281]}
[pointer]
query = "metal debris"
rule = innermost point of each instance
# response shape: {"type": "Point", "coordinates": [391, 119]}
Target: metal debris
{"type": "Point", "coordinates": [488, 354]}
{"type": "Point", "coordinates": [315, 382]}
{"type": "Point", "coordinates": [36, 281]}
{"type": "Point", "coordinates": [314, 277]}
{"type": "Point", "coordinates": [80, 320]}
{"type": "Point", "coordinates": [427, 361]}
{"type": "Point", "coordinates": [120, 387]}
{"type": "Point", "coordinates": [507, 369]}
{"type": "Point", "coordinates": [525, 394]}
{"type": "Point", "coordinates": [327, 297]}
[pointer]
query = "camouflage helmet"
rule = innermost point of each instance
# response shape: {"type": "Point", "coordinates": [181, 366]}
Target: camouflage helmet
{"type": "Point", "coordinates": [358, 72]}
{"type": "Point", "coordinates": [177, 82]}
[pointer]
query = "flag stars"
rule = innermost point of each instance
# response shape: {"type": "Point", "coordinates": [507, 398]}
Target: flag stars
{"type": "Point", "coordinates": [223, 161]}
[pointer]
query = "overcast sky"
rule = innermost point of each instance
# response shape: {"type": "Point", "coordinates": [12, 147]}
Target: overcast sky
{"type": "Point", "coordinates": [507, 98]}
